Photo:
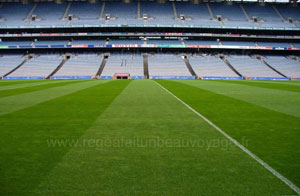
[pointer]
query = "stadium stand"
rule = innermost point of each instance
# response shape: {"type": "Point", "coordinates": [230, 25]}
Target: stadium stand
{"type": "Point", "coordinates": [38, 66]}
{"type": "Point", "coordinates": [251, 67]}
{"type": "Point", "coordinates": [285, 65]}
{"type": "Point", "coordinates": [211, 66]}
{"type": "Point", "coordinates": [167, 65]}
{"type": "Point", "coordinates": [238, 43]}
{"type": "Point", "coordinates": [195, 14]}
{"type": "Point", "coordinates": [215, 29]}
{"type": "Point", "coordinates": [8, 62]}
{"type": "Point", "coordinates": [126, 15]}
{"type": "Point", "coordinates": [124, 63]}
{"type": "Point", "coordinates": [81, 65]}
{"type": "Point", "coordinates": [17, 18]}
{"type": "Point", "coordinates": [149, 13]}
{"type": "Point", "coordinates": [49, 14]}
{"type": "Point", "coordinates": [51, 42]}
{"type": "Point", "coordinates": [274, 44]}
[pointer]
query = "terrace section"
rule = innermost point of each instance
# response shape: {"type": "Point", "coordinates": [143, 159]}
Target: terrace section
{"type": "Point", "coordinates": [8, 62]}
{"type": "Point", "coordinates": [210, 66]}
{"type": "Point", "coordinates": [124, 63]}
{"type": "Point", "coordinates": [287, 66]}
{"type": "Point", "coordinates": [38, 66]}
{"type": "Point", "coordinates": [167, 65]}
{"type": "Point", "coordinates": [80, 65]}
{"type": "Point", "coordinates": [251, 67]}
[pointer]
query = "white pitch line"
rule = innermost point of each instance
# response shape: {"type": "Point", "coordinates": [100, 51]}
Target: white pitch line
{"type": "Point", "coordinates": [264, 164]}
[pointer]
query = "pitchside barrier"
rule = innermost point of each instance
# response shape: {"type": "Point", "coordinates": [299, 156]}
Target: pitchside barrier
{"type": "Point", "coordinates": [267, 78]}
{"type": "Point", "coordinates": [71, 77]}
{"type": "Point", "coordinates": [23, 78]}
{"type": "Point", "coordinates": [173, 77]}
{"type": "Point", "coordinates": [220, 78]}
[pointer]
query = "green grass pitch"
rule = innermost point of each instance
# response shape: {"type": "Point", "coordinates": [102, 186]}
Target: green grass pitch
{"type": "Point", "coordinates": [131, 137]}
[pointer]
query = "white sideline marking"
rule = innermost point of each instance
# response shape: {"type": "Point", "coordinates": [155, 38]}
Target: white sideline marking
{"type": "Point", "coordinates": [268, 167]}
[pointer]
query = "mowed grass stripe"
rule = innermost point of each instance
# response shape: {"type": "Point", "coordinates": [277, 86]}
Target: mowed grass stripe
{"type": "Point", "coordinates": [269, 85]}
{"type": "Point", "coordinates": [15, 82]}
{"type": "Point", "coordinates": [38, 87]}
{"type": "Point", "coordinates": [277, 100]}
{"type": "Point", "coordinates": [289, 82]}
{"type": "Point", "coordinates": [25, 155]}
{"type": "Point", "coordinates": [147, 143]}
{"type": "Point", "coordinates": [272, 136]}
{"type": "Point", "coordinates": [31, 84]}
{"type": "Point", "coordinates": [17, 102]}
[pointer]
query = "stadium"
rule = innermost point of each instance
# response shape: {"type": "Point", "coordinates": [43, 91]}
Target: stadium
{"type": "Point", "coordinates": [140, 97]}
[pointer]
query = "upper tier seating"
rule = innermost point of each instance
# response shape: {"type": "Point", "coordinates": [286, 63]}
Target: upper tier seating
{"type": "Point", "coordinates": [84, 13]}
{"type": "Point", "coordinates": [210, 66]}
{"type": "Point", "coordinates": [126, 15]}
{"type": "Point", "coordinates": [162, 13]}
{"type": "Point", "coordinates": [289, 11]}
{"type": "Point", "coordinates": [14, 13]}
{"type": "Point", "coordinates": [124, 63]}
{"type": "Point", "coordinates": [88, 13]}
{"type": "Point", "coordinates": [50, 13]}
{"type": "Point", "coordinates": [198, 13]}
{"type": "Point", "coordinates": [15, 43]}
{"type": "Point", "coordinates": [167, 65]}
{"type": "Point", "coordinates": [232, 14]}
{"type": "Point", "coordinates": [267, 14]}
{"type": "Point", "coordinates": [274, 44]}
{"type": "Point", "coordinates": [238, 43]}
{"type": "Point", "coordinates": [51, 42]}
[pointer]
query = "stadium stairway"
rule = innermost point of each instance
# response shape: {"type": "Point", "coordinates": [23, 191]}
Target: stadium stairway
{"type": "Point", "coordinates": [28, 16]}
{"type": "Point", "coordinates": [139, 10]}
{"type": "Point", "coordinates": [245, 12]}
{"type": "Point", "coordinates": [146, 66]}
{"type": "Point", "coordinates": [268, 65]}
{"type": "Point", "coordinates": [189, 67]}
{"type": "Point", "coordinates": [102, 66]}
{"type": "Point", "coordinates": [223, 58]}
{"type": "Point", "coordinates": [28, 57]}
{"type": "Point", "coordinates": [174, 10]}
{"type": "Point", "coordinates": [102, 10]}
{"type": "Point", "coordinates": [58, 67]}
{"type": "Point", "coordinates": [212, 16]}
{"type": "Point", "coordinates": [66, 11]}
{"type": "Point", "coordinates": [279, 14]}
